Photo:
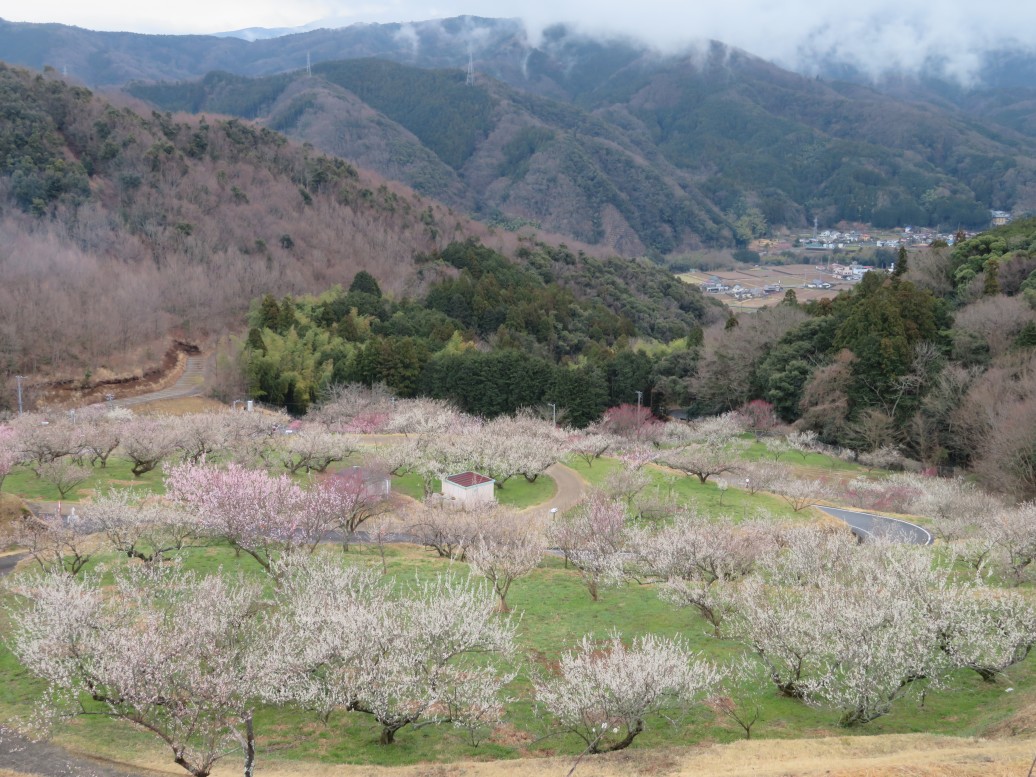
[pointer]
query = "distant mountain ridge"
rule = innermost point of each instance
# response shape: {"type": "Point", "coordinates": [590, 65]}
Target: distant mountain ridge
{"type": "Point", "coordinates": [607, 141]}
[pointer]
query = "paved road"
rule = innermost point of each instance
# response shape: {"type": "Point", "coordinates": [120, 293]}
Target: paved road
{"type": "Point", "coordinates": [868, 525]}
{"type": "Point", "coordinates": [189, 384]}
{"type": "Point", "coordinates": [9, 562]}
{"type": "Point", "coordinates": [40, 759]}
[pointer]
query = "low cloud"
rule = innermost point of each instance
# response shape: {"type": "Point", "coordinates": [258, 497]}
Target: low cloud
{"type": "Point", "coordinates": [950, 36]}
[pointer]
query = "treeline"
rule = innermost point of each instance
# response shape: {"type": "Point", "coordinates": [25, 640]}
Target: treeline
{"type": "Point", "coordinates": [937, 359]}
{"type": "Point", "coordinates": [495, 337]}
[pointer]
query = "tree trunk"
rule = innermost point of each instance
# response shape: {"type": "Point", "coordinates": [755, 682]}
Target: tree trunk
{"type": "Point", "coordinates": [249, 747]}
{"type": "Point", "coordinates": [623, 743]}
{"type": "Point", "coordinates": [388, 734]}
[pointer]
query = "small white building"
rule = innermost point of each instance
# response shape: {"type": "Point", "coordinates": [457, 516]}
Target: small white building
{"type": "Point", "coordinates": [469, 488]}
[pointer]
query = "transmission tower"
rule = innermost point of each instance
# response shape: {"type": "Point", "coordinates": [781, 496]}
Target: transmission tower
{"type": "Point", "coordinates": [470, 81]}
{"type": "Point", "coordinates": [309, 65]}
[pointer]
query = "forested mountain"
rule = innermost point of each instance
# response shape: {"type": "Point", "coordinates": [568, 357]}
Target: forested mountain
{"type": "Point", "coordinates": [606, 141]}
{"type": "Point", "coordinates": [118, 227]}
{"type": "Point", "coordinates": [657, 159]}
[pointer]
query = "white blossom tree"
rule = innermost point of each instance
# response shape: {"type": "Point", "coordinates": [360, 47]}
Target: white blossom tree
{"type": "Point", "coordinates": [987, 630]}
{"type": "Point", "coordinates": [591, 445]}
{"type": "Point", "coordinates": [149, 530]}
{"type": "Point", "coordinates": [42, 440]}
{"type": "Point", "coordinates": [605, 695]}
{"type": "Point", "coordinates": [57, 543]}
{"type": "Point", "coordinates": [1016, 529]}
{"type": "Point", "coordinates": [10, 453]}
{"type": "Point", "coordinates": [508, 546]}
{"type": "Point", "coordinates": [64, 474]}
{"type": "Point", "coordinates": [146, 441]}
{"type": "Point", "coordinates": [694, 559]}
{"type": "Point", "coordinates": [450, 532]}
{"type": "Point", "coordinates": [200, 435]}
{"type": "Point", "coordinates": [593, 538]}
{"type": "Point", "coordinates": [101, 436]}
{"type": "Point", "coordinates": [174, 654]}
{"type": "Point", "coordinates": [709, 447]}
{"type": "Point", "coordinates": [310, 449]}
{"type": "Point", "coordinates": [409, 657]}
{"type": "Point", "coordinates": [801, 493]}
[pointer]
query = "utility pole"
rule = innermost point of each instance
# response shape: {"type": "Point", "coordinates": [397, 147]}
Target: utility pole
{"type": "Point", "coordinates": [19, 379]}
{"type": "Point", "coordinates": [640, 394]}
{"type": "Point", "coordinates": [554, 412]}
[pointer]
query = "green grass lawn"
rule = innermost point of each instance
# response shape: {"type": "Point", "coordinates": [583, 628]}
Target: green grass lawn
{"type": "Point", "coordinates": [553, 611]}
{"type": "Point", "coordinates": [23, 482]}
{"type": "Point", "coordinates": [706, 498]}
{"type": "Point", "coordinates": [516, 492]}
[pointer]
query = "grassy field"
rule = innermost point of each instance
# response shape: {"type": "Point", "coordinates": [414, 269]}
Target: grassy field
{"type": "Point", "coordinates": [706, 498]}
{"type": "Point", "coordinates": [554, 611]}
{"type": "Point", "coordinates": [23, 482]}
{"type": "Point", "coordinates": [516, 492]}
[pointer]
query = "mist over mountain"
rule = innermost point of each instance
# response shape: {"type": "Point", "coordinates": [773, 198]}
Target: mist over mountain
{"type": "Point", "coordinates": [605, 139]}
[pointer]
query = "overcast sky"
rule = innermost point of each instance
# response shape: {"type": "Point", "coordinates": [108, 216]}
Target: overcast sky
{"type": "Point", "coordinates": [871, 33]}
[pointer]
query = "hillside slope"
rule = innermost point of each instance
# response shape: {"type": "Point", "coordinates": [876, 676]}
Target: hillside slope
{"type": "Point", "coordinates": [116, 226]}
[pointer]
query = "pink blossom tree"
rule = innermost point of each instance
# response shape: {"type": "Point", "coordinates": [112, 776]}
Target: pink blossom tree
{"type": "Point", "coordinates": [632, 423]}
{"type": "Point", "coordinates": [759, 417]}
{"type": "Point", "coordinates": [262, 515]}
{"type": "Point", "coordinates": [359, 494]}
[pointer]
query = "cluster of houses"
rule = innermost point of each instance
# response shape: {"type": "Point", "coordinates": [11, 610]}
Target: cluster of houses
{"type": "Point", "coordinates": [739, 292]}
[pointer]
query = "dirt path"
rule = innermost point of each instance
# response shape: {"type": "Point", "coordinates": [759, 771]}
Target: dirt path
{"type": "Point", "coordinates": [896, 755]}
{"type": "Point", "coordinates": [571, 489]}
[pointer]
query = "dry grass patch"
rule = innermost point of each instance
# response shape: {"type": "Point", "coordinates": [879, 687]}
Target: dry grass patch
{"type": "Point", "coordinates": [11, 507]}
{"type": "Point", "coordinates": [180, 406]}
{"type": "Point", "coordinates": [901, 755]}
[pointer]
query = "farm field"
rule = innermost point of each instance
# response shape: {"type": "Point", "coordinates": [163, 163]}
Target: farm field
{"type": "Point", "coordinates": [792, 276]}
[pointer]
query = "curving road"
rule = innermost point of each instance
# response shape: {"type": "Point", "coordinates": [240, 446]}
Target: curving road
{"type": "Point", "coordinates": [189, 384]}
{"type": "Point", "coordinates": [869, 525]}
